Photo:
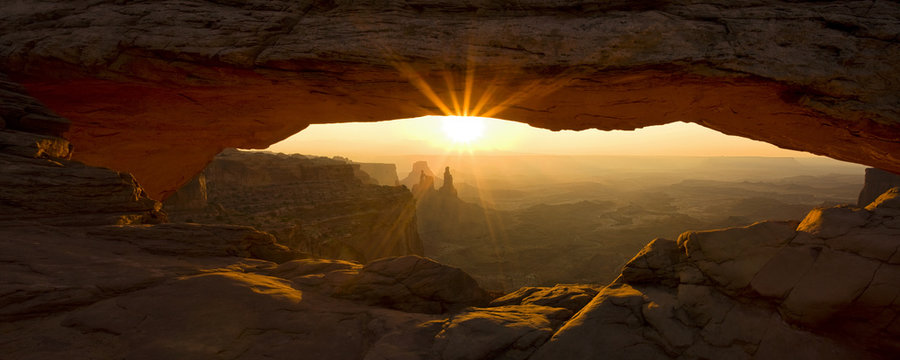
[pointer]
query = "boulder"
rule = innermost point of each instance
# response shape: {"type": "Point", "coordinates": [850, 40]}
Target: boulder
{"type": "Point", "coordinates": [413, 283]}
{"type": "Point", "coordinates": [572, 296]}
{"type": "Point", "coordinates": [876, 183]}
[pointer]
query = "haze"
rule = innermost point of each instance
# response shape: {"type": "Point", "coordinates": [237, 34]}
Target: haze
{"type": "Point", "coordinates": [374, 142]}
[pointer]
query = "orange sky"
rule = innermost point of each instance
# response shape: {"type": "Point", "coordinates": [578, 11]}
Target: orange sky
{"type": "Point", "coordinates": [424, 135]}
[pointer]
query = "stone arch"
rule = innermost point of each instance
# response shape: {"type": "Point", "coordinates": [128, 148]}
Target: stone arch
{"type": "Point", "coordinates": [157, 90]}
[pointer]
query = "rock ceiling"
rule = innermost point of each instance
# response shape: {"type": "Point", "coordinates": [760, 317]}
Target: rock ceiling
{"type": "Point", "coordinates": [158, 88]}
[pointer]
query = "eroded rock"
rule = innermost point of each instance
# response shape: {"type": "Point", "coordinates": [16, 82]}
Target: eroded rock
{"type": "Point", "coordinates": [417, 284]}
{"type": "Point", "coordinates": [572, 297]}
{"type": "Point", "coordinates": [814, 76]}
{"type": "Point", "coordinates": [823, 288]}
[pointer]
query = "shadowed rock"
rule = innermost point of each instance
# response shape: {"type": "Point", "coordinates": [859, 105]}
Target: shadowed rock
{"type": "Point", "coordinates": [877, 182]}
{"type": "Point", "coordinates": [413, 283]}
{"type": "Point", "coordinates": [814, 76]}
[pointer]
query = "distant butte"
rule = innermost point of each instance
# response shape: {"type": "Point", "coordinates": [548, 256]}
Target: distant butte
{"type": "Point", "coordinates": [157, 89]}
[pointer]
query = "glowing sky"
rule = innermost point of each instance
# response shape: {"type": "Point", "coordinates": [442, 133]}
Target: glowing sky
{"type": "Point", "coordinates": [427, 135]}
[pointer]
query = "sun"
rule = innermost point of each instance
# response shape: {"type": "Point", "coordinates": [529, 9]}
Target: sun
{"type": "Point", "coordinates": [462, 129]}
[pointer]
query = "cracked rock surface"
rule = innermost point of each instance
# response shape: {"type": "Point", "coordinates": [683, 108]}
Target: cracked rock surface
{"type": "Point", "coordinates": [827, 287]}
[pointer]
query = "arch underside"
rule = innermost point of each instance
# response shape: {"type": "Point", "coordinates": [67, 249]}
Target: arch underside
{"type": "Point", "coordinates": [159, 90]}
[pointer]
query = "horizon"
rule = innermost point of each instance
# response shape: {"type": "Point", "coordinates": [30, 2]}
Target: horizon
{"type": "Point", "coordinates": [403, 141]}
{"type": "Point", "coordinates": [366, 142]}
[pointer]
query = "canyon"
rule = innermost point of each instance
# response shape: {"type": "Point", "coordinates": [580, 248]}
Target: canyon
{"type": "Point", "coordinates": [115, 281]}
{"type": "Point", "coordinates": [323, 207]}
{"type": "Point", "coordinates": [108, 107]}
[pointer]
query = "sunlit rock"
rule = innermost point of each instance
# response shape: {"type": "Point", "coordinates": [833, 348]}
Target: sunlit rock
{"type": "Point", "coordinates": [572, 297]}
{"type": "Point", "coordinates": [827, 287]}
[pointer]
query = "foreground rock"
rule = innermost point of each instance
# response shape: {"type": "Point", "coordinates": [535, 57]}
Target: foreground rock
{"type": "Point", "coordinates": [415, 284]}
{"type": "Point", "coordinates": [157, 89]}
{"type": "Point", "coordinates": [38, 184]}
{"type": "Point", "coordinates": [825, 288]}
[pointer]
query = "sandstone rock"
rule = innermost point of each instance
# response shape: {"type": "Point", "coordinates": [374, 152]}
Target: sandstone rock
{"type": "Point", "coordinates": [199, 240]}
{"type": "Point", "coordinates": [783, 271]}
{"type": "Point", "coordinates": [415, 175]}
{"type": "Point", "coordinates": [815, 76]}
{"type": "Point", "coordinates": [19, 111]}
{"type": "Point", "coordinates": [609, 326]}
{"type": "Point", "coordinates": [889, 200]}
{"type": "Point", "coordinates": [877, 182]}
{"type": "Point", "coordinates": [732, 257]}
{"type": "Point", "coordinates": [384, 174]}
{"type": "Point", "coordinates": [831, 222]}
{"type": "Point", "coordinates": [508, 332]}
{"type": "Point", "coordinates": [228, 314]}
{"type": "Point", "coordinates": [827, 289]}
{"type": "Point", "coordinates": [655, 262]}
{"type": "Point", "coordinates": [834, 281]}
{"type": "Point", "coordinates": [315, 205]}
{"type": "Point", "coordinates": [62, 192]}
{"type": "Point", "coordinates": [413, 283]}
{"type": "Point", "coordinates": [302, 267]}
{"type": "Point", "coordinates": [572, 297]}
{"type": "Point", "coordinates": [447, 189]}
{"type": "Point", "coordinates": [192, 196]}
{"type": "Point", "coordinates": [33, 145]}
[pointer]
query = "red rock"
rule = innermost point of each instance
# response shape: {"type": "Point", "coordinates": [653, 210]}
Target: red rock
{"type": "Point", "coordinates": [813, 76]}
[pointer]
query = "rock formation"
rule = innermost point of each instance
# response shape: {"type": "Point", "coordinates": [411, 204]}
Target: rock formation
{"type": "Point", "coordinates": [193, 196]}
{"type": "Point", "coordinates": [877, 182]}
{"type": "Point", "coordinates": [826, 287]}
{"type": "Point", "coordinates": [383, 174]}
{"type": "Point", "coordinates": [200, 76]}
{"type": "Point", "coordinates": [823, 288]}
{"type": "Point", "coordinates": [159, 88]}
{"type": "Point", "coordinates": [415, 175]}
{"type": "Point", "coordinates": [425, 186]}
{"type": "Point", "coordinates": [447, 189]}
{"type": "Point", "coordinates": [315, 205]}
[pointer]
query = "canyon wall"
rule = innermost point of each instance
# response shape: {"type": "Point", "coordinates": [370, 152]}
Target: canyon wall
{"type": "Point", "coordinates": [877, 182]}
{"type": "Point", "coordinates": [383, 174]}
{"type": "Point", "coordinates": [199, 76]}
{"type": "Point", "coordinates": [315, 205]}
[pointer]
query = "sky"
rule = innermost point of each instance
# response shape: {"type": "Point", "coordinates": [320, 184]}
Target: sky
{"type": "Point", "coordinates": [368, 142]}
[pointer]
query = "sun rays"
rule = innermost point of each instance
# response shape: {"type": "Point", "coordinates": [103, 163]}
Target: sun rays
{"type": "Point", "coordinates": [454, 94]}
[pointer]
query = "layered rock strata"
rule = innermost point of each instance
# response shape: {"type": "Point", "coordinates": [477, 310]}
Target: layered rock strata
{"type": "Point", "coordinates": [200, 76]}
{"type": "Point", "coordinates": [315, 205]}
{"type": "Point", "coordinates": [877, 182]}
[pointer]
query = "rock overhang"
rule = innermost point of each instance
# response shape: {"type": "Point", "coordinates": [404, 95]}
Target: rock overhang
{"type": "Point", "coordinates": [158, 89]}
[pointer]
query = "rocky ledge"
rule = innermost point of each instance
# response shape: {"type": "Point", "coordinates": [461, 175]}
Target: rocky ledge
{"type": "Point", "coordinates": [828, 287]}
